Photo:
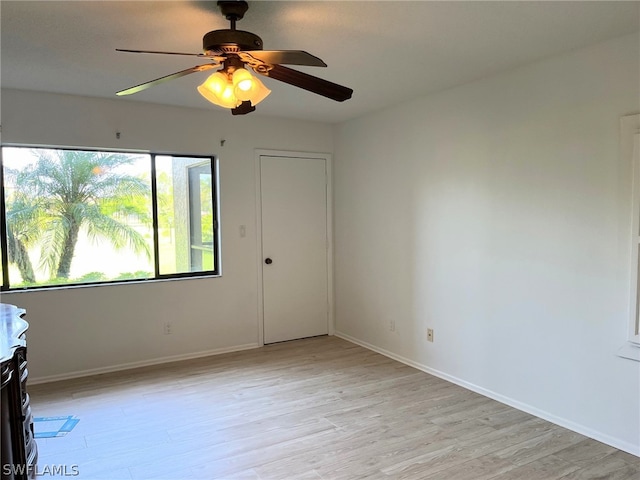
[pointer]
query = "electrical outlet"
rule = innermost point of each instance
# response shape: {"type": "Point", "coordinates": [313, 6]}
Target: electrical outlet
{"type": "Point", "coordinates": [167, 328]}
{"type": "Point", "coordinates": [429, 334]}
{"type": "Point", "coordinates": [392, 325]}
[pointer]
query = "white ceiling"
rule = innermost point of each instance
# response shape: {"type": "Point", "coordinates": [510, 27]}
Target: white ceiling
{"type": "Point", "coordinates": [387, 52]}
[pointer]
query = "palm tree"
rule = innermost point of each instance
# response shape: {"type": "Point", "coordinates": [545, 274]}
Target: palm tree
{"type": "Point", "coordinates": [76, 190]}
{"type": "Point", "coordinates": [22, 233]}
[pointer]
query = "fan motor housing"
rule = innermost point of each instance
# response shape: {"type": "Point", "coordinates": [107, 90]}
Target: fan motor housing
{"type": "Point", "coordinates": [230, 41]}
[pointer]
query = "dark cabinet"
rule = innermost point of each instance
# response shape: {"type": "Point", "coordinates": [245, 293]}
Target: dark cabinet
{"type": "Point", "coordinates": [17, 442]}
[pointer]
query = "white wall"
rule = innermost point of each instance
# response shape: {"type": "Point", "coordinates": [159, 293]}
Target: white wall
{"type": "Point", "coordinates": [88, 328]}
{"type": "Point", "coordinates": [497, 213]}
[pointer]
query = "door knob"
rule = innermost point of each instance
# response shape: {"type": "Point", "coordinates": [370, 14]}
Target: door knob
{"type": "Point", "coordinates": [268, 261]}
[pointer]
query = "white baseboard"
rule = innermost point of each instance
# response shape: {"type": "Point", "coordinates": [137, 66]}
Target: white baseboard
{"type": "Point", "coordinates": [142, 363]}
{"type": "Point", "coordinates": [562, 422]}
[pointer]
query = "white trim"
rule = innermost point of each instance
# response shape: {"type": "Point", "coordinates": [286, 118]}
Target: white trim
{"type": "Point", "coordinates": [630, 350]}
{"type": "Point", "coordinates": [330, 291]}
{"type": "Point", "coordinates": [216, 166]}
{"type": "Point", "coordinates": [327, 157]}
{"type": "Point", "coordinates": [630, 161]}
{"type": "Point", "coordinates": [634, 326]}
{"type": "Point", "coordinates": [576, 427]}
{"type": "Point", "coordinates": [143, 363]}
{"type": "Point", "coordinates": [259, 254]}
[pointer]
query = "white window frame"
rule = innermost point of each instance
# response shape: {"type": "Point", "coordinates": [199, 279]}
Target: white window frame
{"type": "Point", "coordinates": [630, 156]}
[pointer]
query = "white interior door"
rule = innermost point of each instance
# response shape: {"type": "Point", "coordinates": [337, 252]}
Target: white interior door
{"type": "Point", "coordinates": [294, 247]}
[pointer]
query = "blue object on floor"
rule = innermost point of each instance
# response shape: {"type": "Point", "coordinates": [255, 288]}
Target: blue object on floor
{"type": "Point", "coordinates": [49, 427]}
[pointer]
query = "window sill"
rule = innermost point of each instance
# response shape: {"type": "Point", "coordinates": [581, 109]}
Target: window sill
{"type": "Point", "coordinates": [138, 281]}
{"type": "Point", "coordinates": [630, 351]}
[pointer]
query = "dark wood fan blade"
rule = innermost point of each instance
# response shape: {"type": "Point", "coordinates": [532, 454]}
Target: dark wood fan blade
{"type": "Point", "coordinates": [287, 57]}
{"type": "Point", "coordinates": [161, 53]}
{"type": "Point", "coordinates": [309, 82]}
{"type": "Point", "coordinates": [182, 73]}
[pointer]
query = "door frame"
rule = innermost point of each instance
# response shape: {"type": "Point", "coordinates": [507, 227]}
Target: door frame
{"type": "Point", "coordinates": [327, 157]}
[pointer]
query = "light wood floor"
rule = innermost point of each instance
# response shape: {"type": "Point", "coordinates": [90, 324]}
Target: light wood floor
{"type": "Point", "coordinates": [319, 408]}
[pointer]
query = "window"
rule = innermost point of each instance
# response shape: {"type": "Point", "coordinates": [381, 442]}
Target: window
{"type": "Point", "coordinates": [630, 152]}
{"type": "Point", "coordinates": [634, 152]}
{"type": "Point", "coordinates": [78, 216]}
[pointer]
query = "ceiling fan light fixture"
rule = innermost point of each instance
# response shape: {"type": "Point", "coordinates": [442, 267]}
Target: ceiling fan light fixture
{"type": "Point", "coordinates": [242, 80]}
{"type": "Point", "coordinates": [218, 89]}
{"type": "Point", "coordinates": [248, 87]}
{"type": "Point", "coordinates": [229, 91]}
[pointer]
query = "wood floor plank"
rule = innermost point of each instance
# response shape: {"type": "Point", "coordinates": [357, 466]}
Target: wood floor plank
{"type": "Point", "coordinates": [545, 468]}
{"type": "Point", "coordinates": [312, 409]}
{"type": "Point", "coordinates": [539, 446]}
{"type": "Point", "coordinates": [608, 468]}
{"type": "Point", "coordinates": [481, 468]}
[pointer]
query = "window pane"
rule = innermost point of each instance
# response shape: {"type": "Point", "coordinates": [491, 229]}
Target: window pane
{"type": "Point", "coordinates": [77, 216]}
{"type": "Point", "coordinates": [186, 214]}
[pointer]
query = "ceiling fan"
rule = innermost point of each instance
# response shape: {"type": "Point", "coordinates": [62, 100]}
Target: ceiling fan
{"type": "Point", "coordinates": [233, 86]}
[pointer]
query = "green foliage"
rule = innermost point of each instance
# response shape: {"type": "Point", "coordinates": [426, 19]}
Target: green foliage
{"type": "Point", "coordinates": [50, 282]}
{"type": "Point", "coordinates": [140, 274]}
{"type": "Point", "coordinates": [91, 277]}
